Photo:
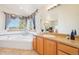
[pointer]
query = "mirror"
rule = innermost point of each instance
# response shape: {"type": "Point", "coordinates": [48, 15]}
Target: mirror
{"type": "Point", "coordinates": [50, 25]}
{"type": "Point", "coordinates": [50, 22]}
{"type": "Point", "coordinates": [65, 18]}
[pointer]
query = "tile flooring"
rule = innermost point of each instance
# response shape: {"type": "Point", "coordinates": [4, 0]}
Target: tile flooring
{"type": "Point", "coordinates": [13, 51]}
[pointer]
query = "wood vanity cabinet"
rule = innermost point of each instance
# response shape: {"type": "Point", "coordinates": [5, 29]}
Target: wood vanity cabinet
{"type": "Point", "coordinates": [49, 47]}
{"type": "Point", "coordinates": [40, 45]}
{"type": "Point", "coordinates": [45, 46]}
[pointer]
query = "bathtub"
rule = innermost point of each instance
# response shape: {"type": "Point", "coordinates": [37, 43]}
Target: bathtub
{"type": "Point", "coordinates": [18, 41]}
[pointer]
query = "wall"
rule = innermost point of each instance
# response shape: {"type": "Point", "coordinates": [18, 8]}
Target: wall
{"type": "Point", "coordinates": [2, 22]}
{"type": "Point", "coordinates": [67, 16]}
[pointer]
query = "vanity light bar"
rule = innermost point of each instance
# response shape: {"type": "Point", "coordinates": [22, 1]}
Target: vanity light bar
{"type": "Point", "coordinates": [53, 7]}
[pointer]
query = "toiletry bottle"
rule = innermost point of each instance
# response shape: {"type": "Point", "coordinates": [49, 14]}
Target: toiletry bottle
{"type": "Point", "coordinates": [75, 32]}
{"type": "Point", "coordinates": [72, 35]}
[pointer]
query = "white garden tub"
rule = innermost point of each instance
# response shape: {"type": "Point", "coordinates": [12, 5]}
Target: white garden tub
{"type": "Point", "coordinates": [19, 41]}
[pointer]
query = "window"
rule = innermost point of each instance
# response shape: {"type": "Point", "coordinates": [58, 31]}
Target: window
{"type": "Point", "coordinates": [14, 22]}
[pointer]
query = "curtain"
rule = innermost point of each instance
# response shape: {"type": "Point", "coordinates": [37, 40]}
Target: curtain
{"type": "Point", "coordinates": [7, 19]}
{"type": "Point", "coordinates": [31, 23]}
{"type": "Point", "coordinates": [34, 22]}
{"type": "Point", "coordinates": [25, 22]}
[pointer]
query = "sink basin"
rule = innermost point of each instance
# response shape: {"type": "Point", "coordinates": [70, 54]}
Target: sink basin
{"type": "Point", "coordinates": [49, 36]}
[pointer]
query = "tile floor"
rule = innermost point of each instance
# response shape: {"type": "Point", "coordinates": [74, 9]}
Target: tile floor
{"type": "Point", "coordinates": [13, 51]}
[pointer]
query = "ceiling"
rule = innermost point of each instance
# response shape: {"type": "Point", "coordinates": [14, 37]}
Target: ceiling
{"type": "Point", "coordinates": [24, 9]}
{"type": "Point", "coordinates": [21, 9]}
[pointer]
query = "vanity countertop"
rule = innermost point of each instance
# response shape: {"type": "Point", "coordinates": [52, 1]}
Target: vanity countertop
{"type": "Point", "coordinates": [61, 39]}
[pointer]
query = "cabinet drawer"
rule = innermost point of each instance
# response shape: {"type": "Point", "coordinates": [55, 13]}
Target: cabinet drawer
{"type": "Point", "coordinates": [68, 49]}
{"type": "Point", "coordinates": [61, 53]}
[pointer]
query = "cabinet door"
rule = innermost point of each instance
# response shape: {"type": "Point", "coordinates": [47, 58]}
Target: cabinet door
{"type": "Point", "coordinates": [34, 43]}
{"type": "Point", "coordinates": [49, 47]}
{"type": "Point", "coordinates": [40, 45]}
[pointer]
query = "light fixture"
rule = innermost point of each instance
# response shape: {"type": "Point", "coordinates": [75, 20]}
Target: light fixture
{"type": "Point", "coordinates": [52, 6]}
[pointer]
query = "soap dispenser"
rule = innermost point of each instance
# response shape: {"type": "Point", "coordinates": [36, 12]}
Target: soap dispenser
{"type": "Point", "coordinates": [72, 35]}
